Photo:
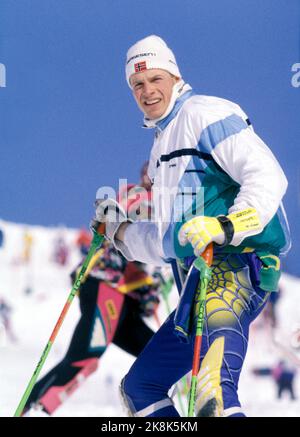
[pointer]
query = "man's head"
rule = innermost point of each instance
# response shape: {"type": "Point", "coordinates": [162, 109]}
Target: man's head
{"type": "Point", "coordinates": [151, 72]}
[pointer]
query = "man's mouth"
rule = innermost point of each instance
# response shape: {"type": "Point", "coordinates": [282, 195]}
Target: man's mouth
{"type": "Point", "coordinates": [151, 102]}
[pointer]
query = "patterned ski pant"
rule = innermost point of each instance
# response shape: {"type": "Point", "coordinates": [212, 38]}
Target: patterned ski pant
{"type": "Point", "coordinates": [232, 304]}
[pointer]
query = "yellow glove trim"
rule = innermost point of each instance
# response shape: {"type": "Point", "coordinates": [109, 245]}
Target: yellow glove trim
{"type": "Point", "coordinates": [245, 220]}
{"type": "Point", "coordinates": [126, 288]}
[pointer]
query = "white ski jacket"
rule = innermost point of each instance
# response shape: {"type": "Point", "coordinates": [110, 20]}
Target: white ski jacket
{"type": "Point", "coordinates": [207, 150]}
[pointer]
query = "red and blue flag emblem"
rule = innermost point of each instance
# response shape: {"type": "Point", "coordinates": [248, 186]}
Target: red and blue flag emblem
{"type": "Point", "coordinates": [140, 66]}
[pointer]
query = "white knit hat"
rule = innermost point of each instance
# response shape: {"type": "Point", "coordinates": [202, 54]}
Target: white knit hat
{"type": "Point", "coordinates": [150, 52]}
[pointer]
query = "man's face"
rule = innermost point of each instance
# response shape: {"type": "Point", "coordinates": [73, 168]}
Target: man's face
{"type": "Point", "coordinates": [152, 90]}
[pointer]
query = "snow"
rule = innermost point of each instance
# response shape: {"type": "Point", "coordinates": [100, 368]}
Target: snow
{"type": "Point", "coordinates": [36, 311]}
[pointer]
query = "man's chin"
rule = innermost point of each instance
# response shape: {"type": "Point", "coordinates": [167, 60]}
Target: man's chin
{"type": "Point", "coordinates": [153, 115]}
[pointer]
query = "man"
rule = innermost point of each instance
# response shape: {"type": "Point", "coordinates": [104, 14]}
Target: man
{"type": "Point", "coordinates": [228, 190]}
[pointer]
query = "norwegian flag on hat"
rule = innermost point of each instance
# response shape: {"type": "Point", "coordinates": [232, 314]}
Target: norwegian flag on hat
{"type": "Point", "coordinates": [140, 66]}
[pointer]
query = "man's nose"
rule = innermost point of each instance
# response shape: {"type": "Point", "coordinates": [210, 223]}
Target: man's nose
{"type": "Point", "coordinates": [148, 89]}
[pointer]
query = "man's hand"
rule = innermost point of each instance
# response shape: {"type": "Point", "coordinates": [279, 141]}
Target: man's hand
{"type": "Point", "coordinates": [200, 231]}
{"type": "Point", "coordinates": [223, 230]}
{"type": "Point", "coordinates": [110, 213]}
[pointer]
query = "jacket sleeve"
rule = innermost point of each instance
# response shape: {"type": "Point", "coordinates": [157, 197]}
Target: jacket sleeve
{"type": "Point", "coordinates": [226, 135]}
{"type": "Point", "coordinates": [142, 243]}
{"type": "Point", "coordinates": [248, 161]}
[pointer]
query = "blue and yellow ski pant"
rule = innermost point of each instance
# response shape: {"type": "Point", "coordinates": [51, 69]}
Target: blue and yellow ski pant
{"type": "Point", "coordinates": [233, 302]}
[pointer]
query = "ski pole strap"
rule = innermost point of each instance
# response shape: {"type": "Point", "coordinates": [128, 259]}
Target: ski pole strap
{"type": "Point", "coordinates": [200, 296]}
{"type": "Point", "coordinates": [184, 315]}
{"type": "Point", "coordinates": [96, 242]}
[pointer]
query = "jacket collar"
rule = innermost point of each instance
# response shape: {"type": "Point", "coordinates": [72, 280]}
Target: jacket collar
{"type": "Point", "coordinates": [181, 92]}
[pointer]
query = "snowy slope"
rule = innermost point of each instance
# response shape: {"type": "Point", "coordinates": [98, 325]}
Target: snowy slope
{"type": "Point", "coordinates": [35, 314]}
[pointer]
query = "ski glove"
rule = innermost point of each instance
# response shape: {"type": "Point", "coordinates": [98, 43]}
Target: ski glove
{"type": "Point", "coordinates": [222, 230]}
{"type": "Point", "coordinates": [110, 212]}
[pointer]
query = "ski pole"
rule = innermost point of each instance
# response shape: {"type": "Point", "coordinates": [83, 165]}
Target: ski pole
{"type": "Point", "coordinates": [167, 287]}
{"type": "Point", "coordinates": [96, 242]}
{"type": "Point", "coordinates": [203, 264]}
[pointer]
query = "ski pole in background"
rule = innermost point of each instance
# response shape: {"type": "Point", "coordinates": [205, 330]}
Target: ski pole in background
{"type": "Point", "coordinates": [203, 264]}
{"type": "Point", "coordinates": [96, 242]}
{"type": "Point", "coordinates": [165, 289]}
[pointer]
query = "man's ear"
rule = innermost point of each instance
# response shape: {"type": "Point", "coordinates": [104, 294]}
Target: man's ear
{"type": "Point", "coordinates": [176, 78]}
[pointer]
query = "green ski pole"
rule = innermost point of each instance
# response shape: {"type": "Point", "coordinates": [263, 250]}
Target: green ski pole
{"type": "Point", "coordinates": [165, 290]}
{"type": "Point", "coordinates": [202, 264]}
{"type": "Point", "coordinates": [96, 242]}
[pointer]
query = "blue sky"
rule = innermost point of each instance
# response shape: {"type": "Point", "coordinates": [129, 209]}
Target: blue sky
{"type": "Point", "coordinates": [68, 122]}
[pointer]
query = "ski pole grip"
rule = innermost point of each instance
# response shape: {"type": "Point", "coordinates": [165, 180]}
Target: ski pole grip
{"type": "Point", "coordinates": [208, 254]}
{"type": "Point", "coordinates": [101, 229]}
{"type": "Point", "coordinates": [98, 228]}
